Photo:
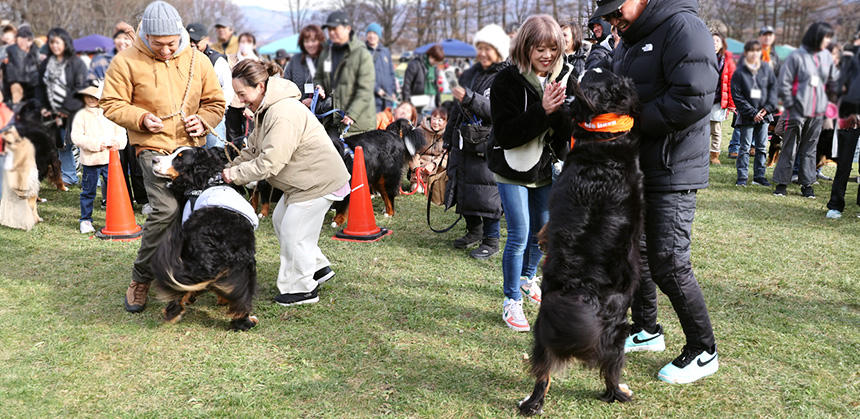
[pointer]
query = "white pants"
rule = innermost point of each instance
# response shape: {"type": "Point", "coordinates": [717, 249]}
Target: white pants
{"type": "Point", "coordinates": [298, 227]}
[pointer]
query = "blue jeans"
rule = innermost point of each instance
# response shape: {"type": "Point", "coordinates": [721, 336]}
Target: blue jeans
{"type": "Point", "coordinates": [68, 163]}
{"type": "Point", "coordinates": [89, 185]}
{"type": "Point", "coordinates": [757, 135]}
{"type": "Point", "coordinates": [735, 142]}
{"type": "Point", "coordinates": [213, 141]}
{"type": "Point", "coordinates": [526, 211]}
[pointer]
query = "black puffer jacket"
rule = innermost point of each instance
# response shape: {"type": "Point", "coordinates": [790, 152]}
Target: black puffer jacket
{"type": "Point", "coordinates": [668, 53]}
{"type": "Point", "coordinates": [743, 83]}
{"type": "Point", "coordinates": [518, 118]}
{"type": "Point", "coordinates": [471, 186]}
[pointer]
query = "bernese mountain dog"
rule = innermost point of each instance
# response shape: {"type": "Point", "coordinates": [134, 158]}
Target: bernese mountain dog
{"type": "Point", "coordinates": [45, 136]}
{"type": "Point", "coordinates": [592, 242]}
{"type": "Point", "coordinates": [212, 246]}
{"type": "Point", "coordinates": [386, 154]}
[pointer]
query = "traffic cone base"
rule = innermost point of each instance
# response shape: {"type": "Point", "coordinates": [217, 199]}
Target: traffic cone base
{"type": "Point", "coordinates": [360, 222]}
{"type": "Point", "coordinates": [120, 224]}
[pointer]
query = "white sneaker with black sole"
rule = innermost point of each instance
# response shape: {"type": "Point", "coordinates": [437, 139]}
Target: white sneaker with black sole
{"type": "Point", "coordinates": [323, 275]}
{"type": "Point", "coordinates": [287, 300]}
{"type": "Point", "coordinates": [690, 366]}
{"type": "Point", "coordinates": [644, 341]}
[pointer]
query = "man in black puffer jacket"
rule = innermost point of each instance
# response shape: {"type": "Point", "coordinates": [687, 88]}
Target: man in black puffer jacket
{"type": "Point", "coordinates": [668, 53]}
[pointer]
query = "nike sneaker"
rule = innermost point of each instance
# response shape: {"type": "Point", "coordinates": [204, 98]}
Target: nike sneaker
{"type": "Point", "coordinates": [690, 366]}
{"type": "Point", "coordinates": [644, 341]}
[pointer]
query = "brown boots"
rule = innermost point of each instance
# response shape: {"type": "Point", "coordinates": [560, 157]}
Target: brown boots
{"type": "Point", "coordinates": [715, 158]}
{"type": "Point", "coordinates": [135, 296]}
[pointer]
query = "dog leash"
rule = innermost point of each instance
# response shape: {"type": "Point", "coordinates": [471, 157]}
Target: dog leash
{"type": "Point", "coordinates": [421, 183]}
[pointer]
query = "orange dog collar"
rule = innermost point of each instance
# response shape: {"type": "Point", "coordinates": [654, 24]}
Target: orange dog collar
{"type": "Point", "coordinates": [608, 122]}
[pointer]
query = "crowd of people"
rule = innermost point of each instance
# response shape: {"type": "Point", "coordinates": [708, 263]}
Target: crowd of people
{"type": "Point", "coordinates": [500, 138]}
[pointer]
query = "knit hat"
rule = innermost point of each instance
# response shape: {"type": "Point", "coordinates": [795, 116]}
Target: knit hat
{"type": "Point", "coordinates": [375, 27]}
{"type": "Point", "coordinates": [161, 19]}
{"type": "Point", "coordinates": [495, 36]}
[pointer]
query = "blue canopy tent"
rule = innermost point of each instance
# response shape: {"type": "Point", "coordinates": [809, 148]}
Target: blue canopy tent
{"type": "Point", "coordinates": [452, 48]}
{"type": "Point", "coordinates": [93, 43]}
{"type": "Point", "coordinates": [290, 43]}
{"type": "Point", "coordinates": [737, 48]}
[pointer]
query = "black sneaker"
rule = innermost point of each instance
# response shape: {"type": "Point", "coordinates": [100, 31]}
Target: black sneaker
{"type": "Point", "coordinates": [287, 300]}
{"type": "Point", "coordinates": [489, 247]}
{"type": "Point", "coordinates": [807, 192]}
{"type": "Point", "coordinates": [741, 184]}
{"type": "Point", "coordinates": [761, 182]}
{"type": "Point", "coordinates": [323, 275]}
{"type": "Point", "coordinates": [104, 203]}
{"type": "Point", "coordinates": [781, 190]}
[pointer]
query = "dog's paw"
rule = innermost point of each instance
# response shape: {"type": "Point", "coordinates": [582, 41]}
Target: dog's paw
{"type": "Point", "coordinates": [244, 323]}
{"type": "Point", "coordinates": [386, 215]}
{"type": "Point", "coordinates": [529, 407]}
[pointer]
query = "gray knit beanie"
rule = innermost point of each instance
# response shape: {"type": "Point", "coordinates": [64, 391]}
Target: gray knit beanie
{"type": "Point", "coordinates": [160, 19]}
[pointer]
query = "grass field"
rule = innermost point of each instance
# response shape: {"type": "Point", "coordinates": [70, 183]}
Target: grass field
{"type": "Point", "coordinates": [411, 327]}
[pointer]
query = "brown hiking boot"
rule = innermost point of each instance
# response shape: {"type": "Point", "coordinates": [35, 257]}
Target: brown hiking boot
{"type": "Point", "coordinates": [135, 297]}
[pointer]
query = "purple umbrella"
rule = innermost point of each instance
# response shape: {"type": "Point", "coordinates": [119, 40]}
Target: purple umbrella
{"type": "Point", "coordinates": [93, 43]}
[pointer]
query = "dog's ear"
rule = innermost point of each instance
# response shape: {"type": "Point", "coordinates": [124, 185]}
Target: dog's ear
{"type": "Point", "coordinates": [581, 107]}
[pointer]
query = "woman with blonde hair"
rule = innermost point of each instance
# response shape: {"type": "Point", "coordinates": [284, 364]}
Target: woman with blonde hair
{"type": "Point", "coordinates": [531, 131]}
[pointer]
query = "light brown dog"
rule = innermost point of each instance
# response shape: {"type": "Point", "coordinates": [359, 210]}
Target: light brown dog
{"type": "Point", "coordinates": [20, 183]}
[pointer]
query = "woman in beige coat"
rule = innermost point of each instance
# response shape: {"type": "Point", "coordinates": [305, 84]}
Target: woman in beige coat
{"type": "Point", "coordinates": [290, 149]}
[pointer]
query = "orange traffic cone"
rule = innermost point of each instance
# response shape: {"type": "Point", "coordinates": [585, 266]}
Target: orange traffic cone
{"type": "Point", "coordinates": [119, 217]}
{"type": "Point", "coordinates": [360, 224]}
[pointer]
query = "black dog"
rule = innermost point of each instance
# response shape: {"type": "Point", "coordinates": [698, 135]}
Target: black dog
{"type": "Point", "coordinates": [592, 239]}
{"type": "Point", "coordinates": [386, 153]}
{"type": "Point", "coordinates": [213, 247]}
{"type": "Point", "coordinates": [44, 136]}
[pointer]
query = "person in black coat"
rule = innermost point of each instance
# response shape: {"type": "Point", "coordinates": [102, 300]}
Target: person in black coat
{"type": "Point", "coordinates": [61, 76]}
{"type": "Point", "coordinates": [755, 96]}
{"type": "Point", "coordinates": [531, 131]}
{"type": "Point", "coordinates": [21, 68]}
{"type": "Point", "coordinates": [668, 53]}
{"type": "Point", "coordinates": [604, 43]}
{"type": "Point", "coordinates": [302, 66]}
{"type": "Point", "coordinates": [575, 51]}
{"type": "Point", "coordinates": [420, 76]}
{"type": "Point", "coordinates": [471, 186]}
{"type": "Point", "coordinates": [847, 136]}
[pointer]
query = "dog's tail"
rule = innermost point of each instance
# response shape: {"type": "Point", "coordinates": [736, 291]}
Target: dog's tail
{"type": "Point", "coordinates": [567, 327]}
{"type": "Point", "coordinates": [167, 266]}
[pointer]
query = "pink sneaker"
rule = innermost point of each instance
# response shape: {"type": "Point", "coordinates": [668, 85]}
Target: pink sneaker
{"type": "Point", "coordinates": [531, 289]}
{"type": "Point", "coordinates": [512, 314]}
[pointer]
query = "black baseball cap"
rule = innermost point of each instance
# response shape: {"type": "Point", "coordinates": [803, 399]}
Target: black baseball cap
{"type": "Point", "coordinates": [335, 19]}
{"type": "Point", "coordinates": [605, 7]}
{"type": "Point", "coordinates": [765, 29]}
{"type": "Point", "coordinates": [281, 53]}
{"type": "Point", "coordinates": [196, 31]}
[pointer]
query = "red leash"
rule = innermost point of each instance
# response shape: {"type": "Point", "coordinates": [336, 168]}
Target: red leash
{"type": "Point", "coordinates": [420, 181]}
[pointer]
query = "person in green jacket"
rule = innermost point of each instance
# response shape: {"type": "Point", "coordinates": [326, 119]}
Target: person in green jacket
{"type": "Point", "coordinates": [346, 72]}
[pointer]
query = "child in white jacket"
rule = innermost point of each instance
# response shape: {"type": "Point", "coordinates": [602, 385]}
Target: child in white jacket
{"type": "Point", "coordinates": [94, 135]}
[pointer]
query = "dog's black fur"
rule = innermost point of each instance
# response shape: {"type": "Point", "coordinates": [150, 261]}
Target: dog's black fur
{"type": "Point", "coordinates": [213, 250]}
{"type": "Point", "coordinates": [43, 135]}
{"type": "Point", "coordinates": [386, 153]}
{"type": "Point", "coordinates": [592, 239]}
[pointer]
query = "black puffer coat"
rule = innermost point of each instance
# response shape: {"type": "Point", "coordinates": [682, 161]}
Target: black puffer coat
{"type": "Point", "coordinates": [668, 53]}
{"type": "Point", "coordinates": [471, 186]}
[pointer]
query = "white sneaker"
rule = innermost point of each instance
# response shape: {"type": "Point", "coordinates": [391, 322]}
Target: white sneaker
{"type": "Point", "coordinates": [834, 214]}
{"type": "Point", "coordinates": [512, 314]}
{"type": "Point", "coordinates": [147, 209]}
{"type": "Point", "coordinates": [644, 341]}
{"type": "Point", "coordinates": [87, 227]}
{"type": "Point", "coordinates": [531, 289]}
{"type": "Point", "coordinates": [690, 366]}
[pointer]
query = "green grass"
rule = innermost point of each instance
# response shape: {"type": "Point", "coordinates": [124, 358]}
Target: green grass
{"type": "Point", "coordinates": [411, 327]}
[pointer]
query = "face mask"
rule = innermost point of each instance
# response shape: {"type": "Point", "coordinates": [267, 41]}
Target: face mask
{"type": "Point", "coordinates": [246, 49]}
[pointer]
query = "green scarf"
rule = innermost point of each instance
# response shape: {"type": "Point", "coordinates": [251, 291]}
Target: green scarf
{"type": "Point", "coordinates": [430, 77]}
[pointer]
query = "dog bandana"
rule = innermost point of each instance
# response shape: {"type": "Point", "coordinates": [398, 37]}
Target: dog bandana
{"type": "Point", "coordinates": [608, 122]}
{"type": "Point", "coordinates": [222, 196]}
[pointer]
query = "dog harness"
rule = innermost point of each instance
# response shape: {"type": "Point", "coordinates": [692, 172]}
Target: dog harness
{"type": "Point", "coordinates": [220, 196]}
{"type": "Point", "coordinates": [608, 122]}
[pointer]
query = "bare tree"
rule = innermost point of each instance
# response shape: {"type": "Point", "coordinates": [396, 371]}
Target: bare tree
{"type": "Point", "coordinates": [299, 11]}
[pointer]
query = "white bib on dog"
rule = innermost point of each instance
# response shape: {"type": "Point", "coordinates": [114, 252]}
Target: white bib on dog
{"type": "Point", "coordinates": [225, 197]}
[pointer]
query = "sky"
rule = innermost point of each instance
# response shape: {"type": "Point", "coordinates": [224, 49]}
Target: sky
{"type": "Point", "coordinates": [266, 4]}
